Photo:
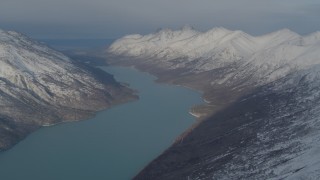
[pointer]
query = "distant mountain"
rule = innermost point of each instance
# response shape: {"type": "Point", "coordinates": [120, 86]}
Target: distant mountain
{"type": "Point", "coordinates": [271, 56]}
{"type": "Point", "coordinates": [262, 118]}
{"type": "Point", "coordinates": [40, 87]}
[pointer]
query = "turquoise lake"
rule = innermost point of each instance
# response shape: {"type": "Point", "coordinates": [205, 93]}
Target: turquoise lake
{"type": "Point", "coordinates": [116, 144]}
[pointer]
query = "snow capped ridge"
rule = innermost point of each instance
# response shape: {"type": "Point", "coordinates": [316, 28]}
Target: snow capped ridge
{"type": "Point", "coordinates": [213, 37]}
{"type": "Point", "coordinates": [168, 35]}
{"type": "Point", "coordinates": [21, 55]}
{"type": "Point", "coordinates": [276, 38]}
{"type": "Point", "coordinates": [188, 27]}
{"type": "Point", "coordinates": [282, 32]}
{"type": "Point", "coordinates": [280, 52]}
{"type": "Point", "coordinates": [26, 65]}
{"type": "Point", "coordinates": [133, 36]}
{"type": "Point", "coordinates": [219, 29]}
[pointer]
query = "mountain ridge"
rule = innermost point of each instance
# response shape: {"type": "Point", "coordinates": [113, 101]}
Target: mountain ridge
{"type": "Point", "coordinates": [261, 120]}
{"type": "Point", "coordinates": [269, 56]}
{"type": "Point", "coordinates": [40, 87]}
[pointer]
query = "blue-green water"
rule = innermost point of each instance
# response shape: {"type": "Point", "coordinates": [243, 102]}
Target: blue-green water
{"type": "Point", "coordinates": [114, 145]}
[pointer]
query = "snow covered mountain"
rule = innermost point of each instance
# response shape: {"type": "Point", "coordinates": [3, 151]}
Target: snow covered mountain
{"type": "Point", "coordinates": [263, 94]}
{"type": "Point", "coordinates": [275, 54]}
{"type": "Point", "coordinates": [39, 86]}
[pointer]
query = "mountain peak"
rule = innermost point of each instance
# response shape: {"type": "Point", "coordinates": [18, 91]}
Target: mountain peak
{"type": "Point", "coordinates": [284, 33]}
{"type": "Point", "coordinates": [223, 44]}
{"type": "Point", "coordinates": [163, 30]}
{"type": "Point", "coordinates": [188, 27]}
{"type": "Point", "coordinates": [219, 30]}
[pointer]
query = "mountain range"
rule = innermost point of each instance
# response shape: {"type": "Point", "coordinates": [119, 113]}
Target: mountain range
{"type": "Point", "coordinates": [262, 93]}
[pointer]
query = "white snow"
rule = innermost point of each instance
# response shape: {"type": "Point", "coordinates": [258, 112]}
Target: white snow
{"type": "Point", "coordinates": [28, 68]}
{"type": "Point", "coordinates": [270, 56]}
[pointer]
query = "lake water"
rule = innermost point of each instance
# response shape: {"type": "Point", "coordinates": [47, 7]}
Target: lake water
{"type": "Point", "coordinates": [114, 145]}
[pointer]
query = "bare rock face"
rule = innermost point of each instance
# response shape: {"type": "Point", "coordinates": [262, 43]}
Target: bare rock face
{"type": "Point", "coordinates": [40, 87]}
{"type": "Point", "coordinates": [261, 120]}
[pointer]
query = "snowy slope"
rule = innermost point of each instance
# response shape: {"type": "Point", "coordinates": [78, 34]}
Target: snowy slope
{"type": "Point", "coordinates": [271, 127]}
{"type": "Point", "coordinates": [39, 86]}
{"type": "Point", "coordinates": [29, 66]}
{"type": "Point", "coordinates": [219, 47]}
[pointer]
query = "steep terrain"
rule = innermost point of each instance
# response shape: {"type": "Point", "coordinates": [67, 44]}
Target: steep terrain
{"type": "Point", "coordinates": [261, 120]}
{"type": "Point", "coordinates": [41, 87]}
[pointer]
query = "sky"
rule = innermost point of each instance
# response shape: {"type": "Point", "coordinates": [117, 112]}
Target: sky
{"type": "Point", "coordinates": [95, 19]}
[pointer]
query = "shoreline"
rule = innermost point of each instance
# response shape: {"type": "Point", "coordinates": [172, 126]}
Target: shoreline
{"type": "Point", "coordinates": [154, 97]}
{"type": "Point", "coordinates": [90, 115]}
{"type": "Point", "coordinates": [195, 115]}
{"type": "Point", "coordinates": [61, 115]}
{"type": "Point", "coordinates": [65, 121]}
{"type": "Point", "coordinates": [157, 79]}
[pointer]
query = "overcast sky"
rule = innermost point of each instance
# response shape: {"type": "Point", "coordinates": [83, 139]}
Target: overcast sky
{"type": "Point", "coordinates": [115, 18]}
